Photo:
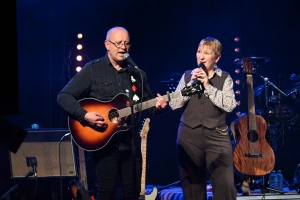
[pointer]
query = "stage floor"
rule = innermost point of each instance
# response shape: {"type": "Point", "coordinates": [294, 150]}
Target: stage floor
{"type": "Point", "coordinates": [175, 193]}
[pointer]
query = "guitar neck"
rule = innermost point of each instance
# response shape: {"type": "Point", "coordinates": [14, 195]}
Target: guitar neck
{"type": "Point", "coordinates": [143, 134]}
{"type": "Point", "coordinates": [143, 178]}
{"type": "Point", "coordinates": [147, 104]}
{"type": "Point", "coordinates": [82, 168]}
{"type": "Point", "coordinates": [251, 105]}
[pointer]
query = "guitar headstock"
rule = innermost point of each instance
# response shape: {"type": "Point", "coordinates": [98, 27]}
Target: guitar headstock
{"type": "Point", "coordinates": [145, 129]}
{"type": "Point", "coordinates": [192, 89]}
{"type": "Point", "coordinates": [247, 65]}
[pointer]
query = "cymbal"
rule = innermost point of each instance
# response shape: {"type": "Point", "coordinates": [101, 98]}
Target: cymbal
{"type": "Point", "coordinates": [255, 60]}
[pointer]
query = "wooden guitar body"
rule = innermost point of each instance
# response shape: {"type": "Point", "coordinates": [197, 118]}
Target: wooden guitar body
{"type": "Point", "coordinates": [78, 191]}
{"type": "Point", "coordinates": [252, 155]}
{"type": "Point", "coordinates": [151, 196]}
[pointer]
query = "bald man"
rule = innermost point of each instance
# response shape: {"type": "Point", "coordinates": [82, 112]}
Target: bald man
{"type": "Point", "coordinates": [109, 81]}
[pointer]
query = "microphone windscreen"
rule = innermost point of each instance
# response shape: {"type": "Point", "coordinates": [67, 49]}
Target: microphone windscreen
{"type": "Point", "coordinates": [125, 56]}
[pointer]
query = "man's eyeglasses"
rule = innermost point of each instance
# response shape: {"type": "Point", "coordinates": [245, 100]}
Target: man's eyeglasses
{"type": "Point", "coordinates": [119, 44]}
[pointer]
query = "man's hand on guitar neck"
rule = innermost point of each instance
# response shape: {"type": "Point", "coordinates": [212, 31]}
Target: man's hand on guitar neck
{"type": "Point", "coordinates": [95, 119]}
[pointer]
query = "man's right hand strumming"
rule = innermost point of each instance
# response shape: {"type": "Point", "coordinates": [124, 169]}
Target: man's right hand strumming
{"type": "Point", "coordinates": [95, 119]}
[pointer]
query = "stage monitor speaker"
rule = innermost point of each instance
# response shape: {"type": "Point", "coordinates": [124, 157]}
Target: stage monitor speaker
{"type": "Point", "coordinates": [45, 146]}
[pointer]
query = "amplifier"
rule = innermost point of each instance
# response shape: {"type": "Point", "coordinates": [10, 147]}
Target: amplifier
{"type": "Point", "coordinates": [45, 145]}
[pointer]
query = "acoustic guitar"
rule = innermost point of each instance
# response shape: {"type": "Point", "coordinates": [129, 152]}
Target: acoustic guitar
{"type": "Point", "coordinates": [253, 156]}
{"type": "Point", "coordinates": [79, 188]}
{"type": "Point", "coordinates": [143, 134]}
{"type": "Point", "coordinates": [114, 112]}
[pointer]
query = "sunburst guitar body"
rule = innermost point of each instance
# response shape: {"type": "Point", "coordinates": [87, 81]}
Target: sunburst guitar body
{"type": "Point", "coordinates": [115, 113]}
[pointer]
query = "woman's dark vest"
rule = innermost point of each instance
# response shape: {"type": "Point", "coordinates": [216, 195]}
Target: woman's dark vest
{"type": "Point", "coordinates": [200, 110]}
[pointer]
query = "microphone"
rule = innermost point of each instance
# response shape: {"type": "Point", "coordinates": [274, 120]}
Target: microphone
{"type": "Point", "coordinates": [129, 60]}
{"type": "Point", "coordinates": [201, 65]}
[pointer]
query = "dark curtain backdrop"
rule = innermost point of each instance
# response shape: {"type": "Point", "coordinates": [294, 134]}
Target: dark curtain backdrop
{"type": "Point", "coordinates": [165, 36]}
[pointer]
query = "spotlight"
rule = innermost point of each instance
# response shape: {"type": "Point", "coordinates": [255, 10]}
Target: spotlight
{"type": "Point", "coordinates": [79, 58]}
{"type": "Point", "coordinates": [79, 36]}
{"type": "Point", "coordinates": [79, 46]}
{"type": "Point", "coordinates": [78, 69]}
{"type": "Point", "coordinates": [238, 92]}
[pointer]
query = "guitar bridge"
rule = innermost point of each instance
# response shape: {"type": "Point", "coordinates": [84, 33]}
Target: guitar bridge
{"type": "Point", "coordinates": [255, 155]}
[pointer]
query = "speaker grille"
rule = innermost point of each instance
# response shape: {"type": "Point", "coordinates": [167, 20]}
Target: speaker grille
{"type": "Point", "coordinates": [47, 156]}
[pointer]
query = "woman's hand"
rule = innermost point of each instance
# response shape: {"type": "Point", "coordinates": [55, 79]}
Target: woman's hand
{"type": "Point", "coordinates": [200, 75]}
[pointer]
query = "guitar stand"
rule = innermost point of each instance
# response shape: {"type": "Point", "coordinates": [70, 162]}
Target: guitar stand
{"type": "Point", "coordinates": [167, 186]}
{"type": "Point", "coordinates": [245, 186]}
{"type": "Point", "coordinates": [175, 183]}
{"type": "Point", "coordinates": [275, 190]}
{"type": "Point", "coordinates": [266, 188]}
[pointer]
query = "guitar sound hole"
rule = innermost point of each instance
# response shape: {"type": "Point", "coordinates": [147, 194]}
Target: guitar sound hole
{"type": "Point", "coordinates": [252, 136]}
{"type": "Point", "coordinates": [113, 116]}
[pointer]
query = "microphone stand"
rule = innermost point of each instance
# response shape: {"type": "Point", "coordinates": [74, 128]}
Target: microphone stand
{"type": "Point", "coordinates": [133, 130]}
{"type": "Point", "coordinates": [263, 178]}
{"type": "Point", "coordinates": [132, 66]}
{"type": "Point", "coordinates": [132, 117]}
{"type": "Point", "coordinates": [12, 189]}
{"type": "Point", "coordinates": [267, 82]}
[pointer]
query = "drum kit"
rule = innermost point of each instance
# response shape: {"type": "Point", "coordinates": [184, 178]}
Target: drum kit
{"type": "Point", "coordinates": [279, 109]}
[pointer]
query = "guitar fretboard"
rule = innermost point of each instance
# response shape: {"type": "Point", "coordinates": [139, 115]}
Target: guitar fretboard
{"type": "Point", "coordinates": [147, 104]}
{"type": "Point", "coordinates": [143, 178]}
{"type": "Point", "coordinates": [143, 134]}
{"type": "Point", "coordinates": [251, 105]}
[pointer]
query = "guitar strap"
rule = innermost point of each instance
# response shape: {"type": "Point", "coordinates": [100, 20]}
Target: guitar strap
{"type": "Point", "coordinates": [130, 90]}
